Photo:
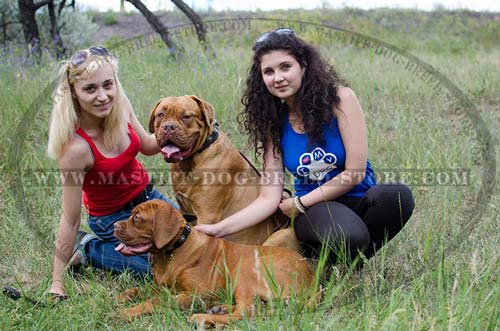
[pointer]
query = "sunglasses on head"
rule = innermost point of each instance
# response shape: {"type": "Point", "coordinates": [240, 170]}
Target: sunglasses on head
{"type": "Point", "coordinates": [281, 31]}
{"type": "Point", "coordinates": [80, 56]}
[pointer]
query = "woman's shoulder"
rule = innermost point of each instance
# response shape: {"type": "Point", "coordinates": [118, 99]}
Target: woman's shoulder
{"type": "Point", "coordinates": [76, 153]}
{"type": "Point", "coordinates": [345, 93]}
{"type": "Point", "coordinates": [347, 99]}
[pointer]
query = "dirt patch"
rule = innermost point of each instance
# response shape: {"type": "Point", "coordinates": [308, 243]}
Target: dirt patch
{"type": "Point", "coordinates": [130, 26]}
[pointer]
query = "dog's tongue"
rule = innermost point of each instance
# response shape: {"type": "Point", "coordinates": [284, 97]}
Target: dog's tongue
{"type": "Point", "coordinates": [120, 247]}
{"type": "Point", "coordinates": [168, 150]}
{"type": "Point", "coordinates": [133, 250]}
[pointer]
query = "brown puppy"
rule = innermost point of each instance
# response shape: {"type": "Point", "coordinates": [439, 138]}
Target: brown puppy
{"type": "Point", "coordinates": [189, 262]}
{"type": "Point", "coordinates": [210, 177]}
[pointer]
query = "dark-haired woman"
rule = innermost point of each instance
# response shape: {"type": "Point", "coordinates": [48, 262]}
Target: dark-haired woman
{"type": "Point", "coordinates": [300, 115]}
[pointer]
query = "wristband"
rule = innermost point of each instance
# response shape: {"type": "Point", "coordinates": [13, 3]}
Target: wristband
{"type": "Point", "coordinates": [298, 204]}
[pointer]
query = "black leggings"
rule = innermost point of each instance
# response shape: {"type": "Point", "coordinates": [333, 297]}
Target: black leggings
{"type": "Point", "coordinates": [351, 225]}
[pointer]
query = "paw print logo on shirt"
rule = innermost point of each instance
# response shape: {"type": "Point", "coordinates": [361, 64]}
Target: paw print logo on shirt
{"type": "Point", "coordinates": [316, 164]}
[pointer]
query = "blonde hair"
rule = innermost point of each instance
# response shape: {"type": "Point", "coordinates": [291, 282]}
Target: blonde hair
{"type": "Point", "coordinates": [64, 119]}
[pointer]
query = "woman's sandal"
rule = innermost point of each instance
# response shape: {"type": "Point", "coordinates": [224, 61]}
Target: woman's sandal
{"type": "Point", "coordinates": [82, 238]}
{"type": "Point", "coordinates": [56, 298]}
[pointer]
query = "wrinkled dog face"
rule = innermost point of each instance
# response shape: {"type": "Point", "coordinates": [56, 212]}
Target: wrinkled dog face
{"type": "Point", "coordinates": [136, 233]}
{"type": "Point", "coordinates": [151, 226]}
{"type": "Point", "coordinates": [181, 125]}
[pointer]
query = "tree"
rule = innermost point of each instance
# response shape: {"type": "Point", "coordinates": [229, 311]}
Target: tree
{"type": "Point", "coordinates": [157, 26]}
{"type": "Point", "coordinates": [198, 25]}
{"type": "Point", "coordinates": [27, 15]}
{"type": "Point", "coordinates": [162, 30]}
{"type": "Point", "coordinates": [8, 17]}
{"type": "Point", "coordinates": [27, 10]}
{"type": "Point", "coordinates": [54, 31]}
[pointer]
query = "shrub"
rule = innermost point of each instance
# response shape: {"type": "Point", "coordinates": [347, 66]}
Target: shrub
{"type": "Point", "coordinates": [110, 18]}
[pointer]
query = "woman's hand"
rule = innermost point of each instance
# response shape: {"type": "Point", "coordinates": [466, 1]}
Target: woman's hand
{"type": "Point", "coordinates": [208, 229]}
{"type": "Point", "coordinates": [288, 208]}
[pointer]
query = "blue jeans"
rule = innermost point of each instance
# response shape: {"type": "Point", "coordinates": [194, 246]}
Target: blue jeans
{"type": "Point", "coordinates": [100, 253]}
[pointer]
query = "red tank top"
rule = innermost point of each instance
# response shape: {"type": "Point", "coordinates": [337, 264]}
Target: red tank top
{"type": "Point", "coordinates": [112, 182]}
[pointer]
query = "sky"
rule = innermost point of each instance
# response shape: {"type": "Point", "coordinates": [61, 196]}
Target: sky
{"type": "Point", "coordinates": [479, 5]}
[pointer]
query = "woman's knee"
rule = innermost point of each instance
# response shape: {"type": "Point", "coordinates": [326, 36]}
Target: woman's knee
{"type": "Point", "coordinates": [359, 239]}
{"type": "Point", "coordinates": [319, 222]}
{"type": "Point", "coordinates": [406, 201]}
{"type": "Point", "coordinates": [332, 223]}
{"type": "Point", "coordinates": [347, 246]}
{"type": "Point", "coordinates": [156, 194]}
{"type": "Point", "coordinates": [394, 196]}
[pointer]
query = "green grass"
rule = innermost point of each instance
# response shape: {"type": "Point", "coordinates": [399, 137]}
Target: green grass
{"type": "Point", "coordinates": [440, 273]}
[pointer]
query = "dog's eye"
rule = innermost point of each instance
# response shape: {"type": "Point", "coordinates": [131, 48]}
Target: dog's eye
{"type": "Point", "coordinates": [136, 218]}
{"type": "Point", "coordinates": [160, 115]}
{"type": "Point", "coordinates": [186, 117]}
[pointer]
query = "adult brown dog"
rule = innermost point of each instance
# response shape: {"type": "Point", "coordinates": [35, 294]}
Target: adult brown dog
{"type": "Point", "coordinates": [189, 262]}
{"type": "Point", "coordinates": [210, 177]}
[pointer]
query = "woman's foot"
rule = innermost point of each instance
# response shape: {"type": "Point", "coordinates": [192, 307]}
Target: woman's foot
{"type": "Point", "coordinates": [78, 258]}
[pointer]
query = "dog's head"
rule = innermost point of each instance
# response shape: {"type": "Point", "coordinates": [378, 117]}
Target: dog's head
{"type": "Point", "coordinates": [151, 226]}
{"type": "Point", "coordinates": [181, 125]}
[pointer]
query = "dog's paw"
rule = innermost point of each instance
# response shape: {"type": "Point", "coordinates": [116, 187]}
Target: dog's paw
{"type": "Point", "coordinates": [127, 314]}
{"type": "Point", "coordinates": [128, 295]}
{"type": "Point", "coordinates": [218, 310]}
{"type": "Point", "coordinates": [200, 320]}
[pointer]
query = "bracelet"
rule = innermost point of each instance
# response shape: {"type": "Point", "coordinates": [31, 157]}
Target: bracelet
{"type": "Point", "coordinates": [298, 204]}
{"type": "Point", "coordinates": [301, 204]}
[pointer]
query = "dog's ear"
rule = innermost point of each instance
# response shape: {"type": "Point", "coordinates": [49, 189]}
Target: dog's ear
{"type": "Point", "coordinates": [206, 108]}
{"type": "Point", "coordinates": [152, 117]}
{"type": "Point", "coordinates": [167, 224]}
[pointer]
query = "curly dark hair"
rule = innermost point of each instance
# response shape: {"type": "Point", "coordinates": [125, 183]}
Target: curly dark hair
{"type": "Point", "coordinates": [264, 115]}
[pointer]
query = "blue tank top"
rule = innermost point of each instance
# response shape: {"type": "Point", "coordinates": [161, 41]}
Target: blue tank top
{"type": "Point", "coordinates": [316, 165]}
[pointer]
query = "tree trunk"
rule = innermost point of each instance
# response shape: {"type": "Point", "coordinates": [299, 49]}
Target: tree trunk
{"type": "Point", "coordinates": [158, 26]}
{"type": "Point", "coordinates": [4, 29]}
{"type": "Point", "coordinates": [198, 25]}
{"type": "Point", "coordinates": [54, 31]}
{"type": "Point", "coordinates": [62, 4]}
{"type": "Point", "coordinates": [122, 6]}
{"type": "Point", "coordinates": [27, 11]}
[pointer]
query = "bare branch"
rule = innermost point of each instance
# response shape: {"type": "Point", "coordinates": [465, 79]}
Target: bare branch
{"type": "Point", "coordinates": [38, 5]}
{"type": "Point", "coordinates": [157, 26]}
{"type": "Point", "coordinates": [198, 25]}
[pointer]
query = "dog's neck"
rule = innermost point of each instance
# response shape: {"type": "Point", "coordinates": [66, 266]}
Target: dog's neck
{"type": "Point", "coordinates": [165, 254]}
{"type": "Point", "coordinates": [178, 240]}
{"type": "Point", "coordinates": [212, 138]}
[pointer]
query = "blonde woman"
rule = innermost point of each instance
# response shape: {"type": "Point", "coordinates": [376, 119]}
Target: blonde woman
{"type": "Point", "coordinates": [95, 138]}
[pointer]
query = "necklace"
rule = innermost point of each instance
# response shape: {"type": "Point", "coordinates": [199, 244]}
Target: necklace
{"type": "Point", "coordinates": [296, 123]}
